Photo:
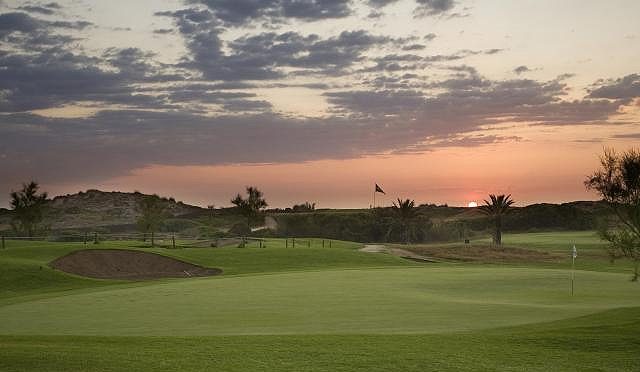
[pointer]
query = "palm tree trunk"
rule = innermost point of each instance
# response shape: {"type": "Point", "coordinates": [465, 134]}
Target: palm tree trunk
{"type": "Point", "coordinates": [153, 242]}
{"type": "Point", "coordinates": [498, 236]}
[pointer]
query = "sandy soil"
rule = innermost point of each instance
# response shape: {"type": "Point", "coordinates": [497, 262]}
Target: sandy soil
{"type": "Point", "coordinates": [126, 264]}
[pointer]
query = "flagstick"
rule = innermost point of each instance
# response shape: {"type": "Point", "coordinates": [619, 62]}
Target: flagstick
{"type": "Point", "coordinates": [374, 198]}
{"type": "Point", "coordinates": [573, 265]}
{"type": "Point", "coordinates": [573, 262]}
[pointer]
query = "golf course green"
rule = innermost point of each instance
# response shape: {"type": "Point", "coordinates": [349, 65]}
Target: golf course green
{"type": "Point", "coordinates": [321, 309]}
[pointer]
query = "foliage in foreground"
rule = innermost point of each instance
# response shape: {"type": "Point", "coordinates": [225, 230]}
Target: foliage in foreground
{"type": "Point", "coordinates": [618, 182]}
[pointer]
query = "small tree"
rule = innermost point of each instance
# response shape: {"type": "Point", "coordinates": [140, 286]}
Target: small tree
{"type": "Point", "coordinates": [28, 208]}
{"type": "Point", "coordinates": [405, 213]}
{"type": "Point", "coordinates": [153, 211]}
{"type": "Point", "coordinates": [496, 209]}
{"type": "Point", "coordinates": [252, 206]}
{"type": "Point", "coordinates": [618, 183]}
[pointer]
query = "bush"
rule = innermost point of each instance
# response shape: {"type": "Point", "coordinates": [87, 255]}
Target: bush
{"type": "Point", "coordinates": [240, 229]}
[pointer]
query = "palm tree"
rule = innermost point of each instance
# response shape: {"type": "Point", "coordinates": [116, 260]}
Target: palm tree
{"type": "Point", "coordinates": [496, 208]}
{"type": "Point", "coordinates": [28, 208]}
{"type": "Point", "coordinates": [406, 213]}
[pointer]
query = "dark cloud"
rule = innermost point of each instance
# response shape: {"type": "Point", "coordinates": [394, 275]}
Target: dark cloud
{"type": "Point", "coordinates": [363, 122]}
{"type": "Point", "coordinates": [30, 33]}
{"type": "Point", "coordinates": [414, 47]}
{"type": "Point", "coordinates": [404, 62]}
{"type": "Point", "coordinates": [521, 69]}
{"type": "Point", "coordinates": [241, 12]}
{"type": "Point", "coordinates": [429, 36]}
{"type": "Point", "coordinates": [21, 22]}
{"type": "Point", "coordinates": [456, 141]}
{"type": "Point", "coordinates": [627, 136]}
{"type": "Point", "coordinates": [434, 7]}
{"type": "Point", "coordinates": [75, 25]}
{"type": "Point", "coordinates": [627, 87]}
{"type": "Point", "coordinates": [263, 56]}
{"type": "Point", "coordinates": [37, 9]}
{"type": "Point", "coordinates": [163, 31]}
{"type": "Point", "coordinates": [471, 101]}
{"type": "Point", "coordinates": [380, 3]}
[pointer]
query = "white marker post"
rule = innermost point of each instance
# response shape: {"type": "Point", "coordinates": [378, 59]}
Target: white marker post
{"type": "Point", "coordinates": [574, 254]}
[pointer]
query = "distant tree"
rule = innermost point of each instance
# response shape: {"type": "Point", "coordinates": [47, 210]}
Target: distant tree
{"type": "Point", "coordinates": [406, 213]}
{"type": "Point", "coordinates": [618, 182]}
{"type": "Point", "coordinates": [305, 207]}
{"type": "Point", "coordinates": [153, 211]}
{"type": "Point", "coordinates": [496, 209]}
{"type": "Point", "coordinates": [251, 206]}
{"type": "Point", "coordinates": [28, 208]}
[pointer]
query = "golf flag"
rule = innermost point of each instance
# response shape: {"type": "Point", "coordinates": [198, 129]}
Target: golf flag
{"type": "Point", "coordinates": [379, 189]}
{"type": "Point", "coordinates": [574, 252]}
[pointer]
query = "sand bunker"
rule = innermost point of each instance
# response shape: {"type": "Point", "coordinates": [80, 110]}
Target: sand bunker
{"type": "Point", "coordinates": [125, 264]}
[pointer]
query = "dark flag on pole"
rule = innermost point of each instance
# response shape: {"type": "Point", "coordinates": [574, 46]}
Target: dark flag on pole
{"type": "Point", "coordinates": [379, 189]}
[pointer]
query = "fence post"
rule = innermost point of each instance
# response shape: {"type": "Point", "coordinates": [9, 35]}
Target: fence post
{"type": "Point", "coordinates": [322, 243]}
{"type": "Point", "coordinates": [293, 242]}
{"type": "Point", "coordinates": [173, 240]}
{"type": "Point", "coordinates": [329, 243]}
{"type": "Point", "coordinates": [260, 243]}
{"type": "Point", "coordinates": [95, 238]}
{"type": "Point", "coordinates": [2, 241]}
{"type": "Point", "coordinates": [286, 242]}
{"type": "Point", "coordinates": [85, 238]}
{"type": "Point", "coordinates": [309, 243]}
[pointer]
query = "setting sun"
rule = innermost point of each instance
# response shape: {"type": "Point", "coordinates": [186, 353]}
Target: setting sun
{"type": "Point", "coordinates": [472, 204]}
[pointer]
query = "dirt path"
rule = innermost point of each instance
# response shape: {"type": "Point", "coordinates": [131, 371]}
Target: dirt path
{"type": "Point", "coordinates": [379, 248]}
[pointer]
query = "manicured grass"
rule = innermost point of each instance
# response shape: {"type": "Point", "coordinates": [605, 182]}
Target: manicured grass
{"type": "Point", "coordinates": [606, 341]}
{"type": "Point", "coordinates": [323, 309]}
{"type": "Point", "coordinates": [392, 300]}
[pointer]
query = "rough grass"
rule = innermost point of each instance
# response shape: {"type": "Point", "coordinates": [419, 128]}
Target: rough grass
{"type": "Point", "coordinates": [481, 252]}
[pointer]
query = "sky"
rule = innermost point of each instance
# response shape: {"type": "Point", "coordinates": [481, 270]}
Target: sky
{"type": "Point", "coordinates": [441, 101]}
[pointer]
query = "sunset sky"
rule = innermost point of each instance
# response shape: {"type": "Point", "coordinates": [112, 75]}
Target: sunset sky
{"type": "Point", "coordinates": [441, 101]}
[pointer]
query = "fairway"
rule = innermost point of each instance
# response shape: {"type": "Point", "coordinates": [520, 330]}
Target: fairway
{"type": "Point", "coordinates": [410, 300]}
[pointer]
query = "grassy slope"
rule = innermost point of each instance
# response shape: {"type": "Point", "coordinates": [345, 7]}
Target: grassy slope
{"type": "Point", "coordinates": [24, 270]}
{"type": "Point", "coordinates": [606, 341]}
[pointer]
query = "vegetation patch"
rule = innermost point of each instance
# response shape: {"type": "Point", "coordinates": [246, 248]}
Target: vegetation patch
{"type": "Point", "coordinates": [126, 264]}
